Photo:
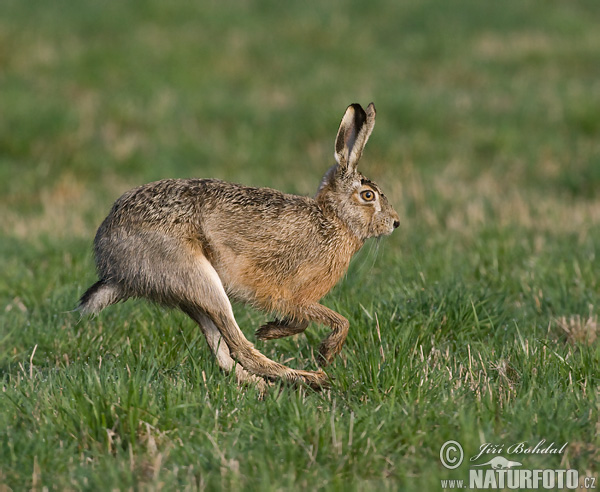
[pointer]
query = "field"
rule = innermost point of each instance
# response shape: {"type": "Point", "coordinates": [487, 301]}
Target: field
{"type": "Point", "coordinates": [476, 321]}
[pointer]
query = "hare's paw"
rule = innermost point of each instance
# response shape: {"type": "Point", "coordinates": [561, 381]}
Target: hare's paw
{"type": "Point", "coordinates": [317, 380]}
{"type": "Point", "coordinates": [244, 378]}
{"type": "Point", "coordinates": [271, 331]}
{"type": "Point", "coordinates": [332, 344]}
{"type": "Point", "coordinates": [280, 328]}
{"type": "Point", "coordinates": [327, 351]}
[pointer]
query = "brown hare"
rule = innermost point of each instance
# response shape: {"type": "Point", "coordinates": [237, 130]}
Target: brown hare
{"type": "Point", "coordinates": [191, 243]}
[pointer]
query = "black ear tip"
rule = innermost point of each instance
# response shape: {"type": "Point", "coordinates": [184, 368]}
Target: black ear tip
{"type": "Point", "coordinates": [359, 114]}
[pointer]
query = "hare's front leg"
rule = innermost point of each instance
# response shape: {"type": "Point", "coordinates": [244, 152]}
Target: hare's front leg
{"type": "Point", "coordinates": [281, 328]}
{"type": "Point", "coordinates": [332, 343]}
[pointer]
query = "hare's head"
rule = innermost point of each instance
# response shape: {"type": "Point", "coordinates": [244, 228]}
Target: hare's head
{"type": "Point", "coordinates": [344, 191]}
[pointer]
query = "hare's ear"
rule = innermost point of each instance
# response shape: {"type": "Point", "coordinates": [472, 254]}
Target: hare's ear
{"type": "Point", "coordinates": [355, 129]}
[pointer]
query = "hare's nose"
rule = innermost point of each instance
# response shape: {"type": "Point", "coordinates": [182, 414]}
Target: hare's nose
{"type": "Point", "coordinates": [396, 224]}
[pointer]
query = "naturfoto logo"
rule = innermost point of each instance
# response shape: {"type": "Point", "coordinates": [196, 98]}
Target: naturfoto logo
{"type": "Point", "coordinates": [495, 471]}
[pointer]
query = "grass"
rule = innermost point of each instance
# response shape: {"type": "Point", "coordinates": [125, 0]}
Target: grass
{"type": "Point", "coordinates": [476, 321]}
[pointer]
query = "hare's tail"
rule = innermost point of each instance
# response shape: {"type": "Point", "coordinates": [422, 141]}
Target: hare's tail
{"type": "Point", "coordinates": [98, 296]}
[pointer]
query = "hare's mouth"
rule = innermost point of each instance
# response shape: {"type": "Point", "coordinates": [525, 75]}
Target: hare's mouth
{"type": "Point", "coordinates": [382, 229]}
{"type": "Point", "coordinates": [389, 225]}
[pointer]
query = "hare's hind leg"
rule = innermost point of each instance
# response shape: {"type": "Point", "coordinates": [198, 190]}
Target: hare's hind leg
{"type": "Point", "coordinates": [221, 350]}
{"type": "Point", "coordinates": [281, 328]}
{"type": "Point", "coordinates": [208, 296]}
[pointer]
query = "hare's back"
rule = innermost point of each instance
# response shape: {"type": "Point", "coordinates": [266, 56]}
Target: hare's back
{"type": "Point", "coordinates": [193, 201]}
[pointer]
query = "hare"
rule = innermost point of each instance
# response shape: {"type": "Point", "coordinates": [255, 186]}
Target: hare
{"type": "Point", "coordinates": [191, 243]}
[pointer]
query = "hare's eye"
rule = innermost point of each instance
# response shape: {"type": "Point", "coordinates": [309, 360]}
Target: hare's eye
{"type": "Point", "coordinates": [367, 195]}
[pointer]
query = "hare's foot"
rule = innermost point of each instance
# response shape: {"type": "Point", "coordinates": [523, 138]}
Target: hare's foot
{"type": "Point", "coordinates": [330, 347]}
{"type": "Point", "coordinates": [243, 378]}
{"type": "Point", "coordinates": [280, 328]}
{"type": "Point", "coordinates": [316, 380]}
{"type": "Point", "coordinates": [332, 344]}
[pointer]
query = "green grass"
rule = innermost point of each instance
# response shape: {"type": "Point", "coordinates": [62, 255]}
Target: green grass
{"type": "Point", "coordinates": [476, 321]}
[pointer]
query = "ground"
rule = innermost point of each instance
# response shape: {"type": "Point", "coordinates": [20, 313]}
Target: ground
{"type": "Point", "coordinates": [476, 321]}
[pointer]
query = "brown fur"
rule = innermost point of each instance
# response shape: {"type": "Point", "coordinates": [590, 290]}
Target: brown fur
{"type": "Point", "coordinates": [192, 243]}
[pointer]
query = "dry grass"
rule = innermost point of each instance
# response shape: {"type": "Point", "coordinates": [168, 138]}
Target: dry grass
{"type": "Point", "coordinates": [453, 201]}
{"type": "Point", "coordinates": [450, 202]}
{"type": "Point", "coordinates": [579, 329]}
{"type": "Point", "coordinates": [69, 208]}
